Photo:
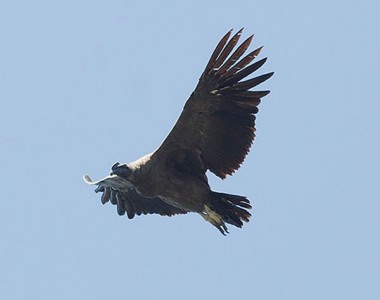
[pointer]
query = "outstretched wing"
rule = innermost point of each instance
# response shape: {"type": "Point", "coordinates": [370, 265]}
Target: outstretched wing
{"type": "Point", "coordinates": [121, 193]}
{"type": "Point", "coordinates": [216, 128]}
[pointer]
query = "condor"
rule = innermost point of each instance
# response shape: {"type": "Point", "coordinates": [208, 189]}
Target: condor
{"type": "Point", "coordinates": [214, 132]}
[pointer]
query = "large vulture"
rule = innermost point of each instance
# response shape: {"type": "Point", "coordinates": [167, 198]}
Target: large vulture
{"type": "Point", "coordinates": [214, 132]}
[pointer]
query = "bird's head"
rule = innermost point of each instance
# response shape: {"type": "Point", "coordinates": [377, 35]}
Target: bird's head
{"type": "Point", "coordinates": [121, 170]}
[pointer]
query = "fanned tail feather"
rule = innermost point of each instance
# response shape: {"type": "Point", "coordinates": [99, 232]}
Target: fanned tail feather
{"type": "Point", "coordinates": [231, 208]}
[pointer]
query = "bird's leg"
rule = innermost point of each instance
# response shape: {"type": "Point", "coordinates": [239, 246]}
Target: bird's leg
{"type": "Point", "coordinates": [215, 219]}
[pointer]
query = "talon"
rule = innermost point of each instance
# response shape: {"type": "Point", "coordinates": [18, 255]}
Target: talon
{"type": "Point", "coordinates": [215, 219]}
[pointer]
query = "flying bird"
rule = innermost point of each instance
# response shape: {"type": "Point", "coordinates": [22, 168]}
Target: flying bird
{"type": "Point", "coordinates": [214, 132]}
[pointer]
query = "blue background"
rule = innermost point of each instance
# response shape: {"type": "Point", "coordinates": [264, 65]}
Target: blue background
{"type": "Point", "coordinates": [84, 84]}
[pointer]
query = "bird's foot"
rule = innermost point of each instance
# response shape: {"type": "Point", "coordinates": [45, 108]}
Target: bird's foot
{"type": "Point", "coordinates": [215, 219]}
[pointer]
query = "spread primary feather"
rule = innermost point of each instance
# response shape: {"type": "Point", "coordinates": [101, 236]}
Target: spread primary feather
{"type": "Point", "coordinates": [214, 132]}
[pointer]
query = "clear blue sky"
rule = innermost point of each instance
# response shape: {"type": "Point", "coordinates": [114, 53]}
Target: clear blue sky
{"type": "Point", "coordinates": [84, 84]}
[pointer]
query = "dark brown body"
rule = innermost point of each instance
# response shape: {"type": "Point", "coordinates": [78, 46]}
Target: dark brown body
{"type": "Point", "coordinates": [214, 132]}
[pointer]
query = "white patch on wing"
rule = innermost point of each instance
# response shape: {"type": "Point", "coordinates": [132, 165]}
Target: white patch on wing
{"type": "Point", "coordinates": [111, 181]}
{"type": "Point", "coordinates": [139, 162]}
